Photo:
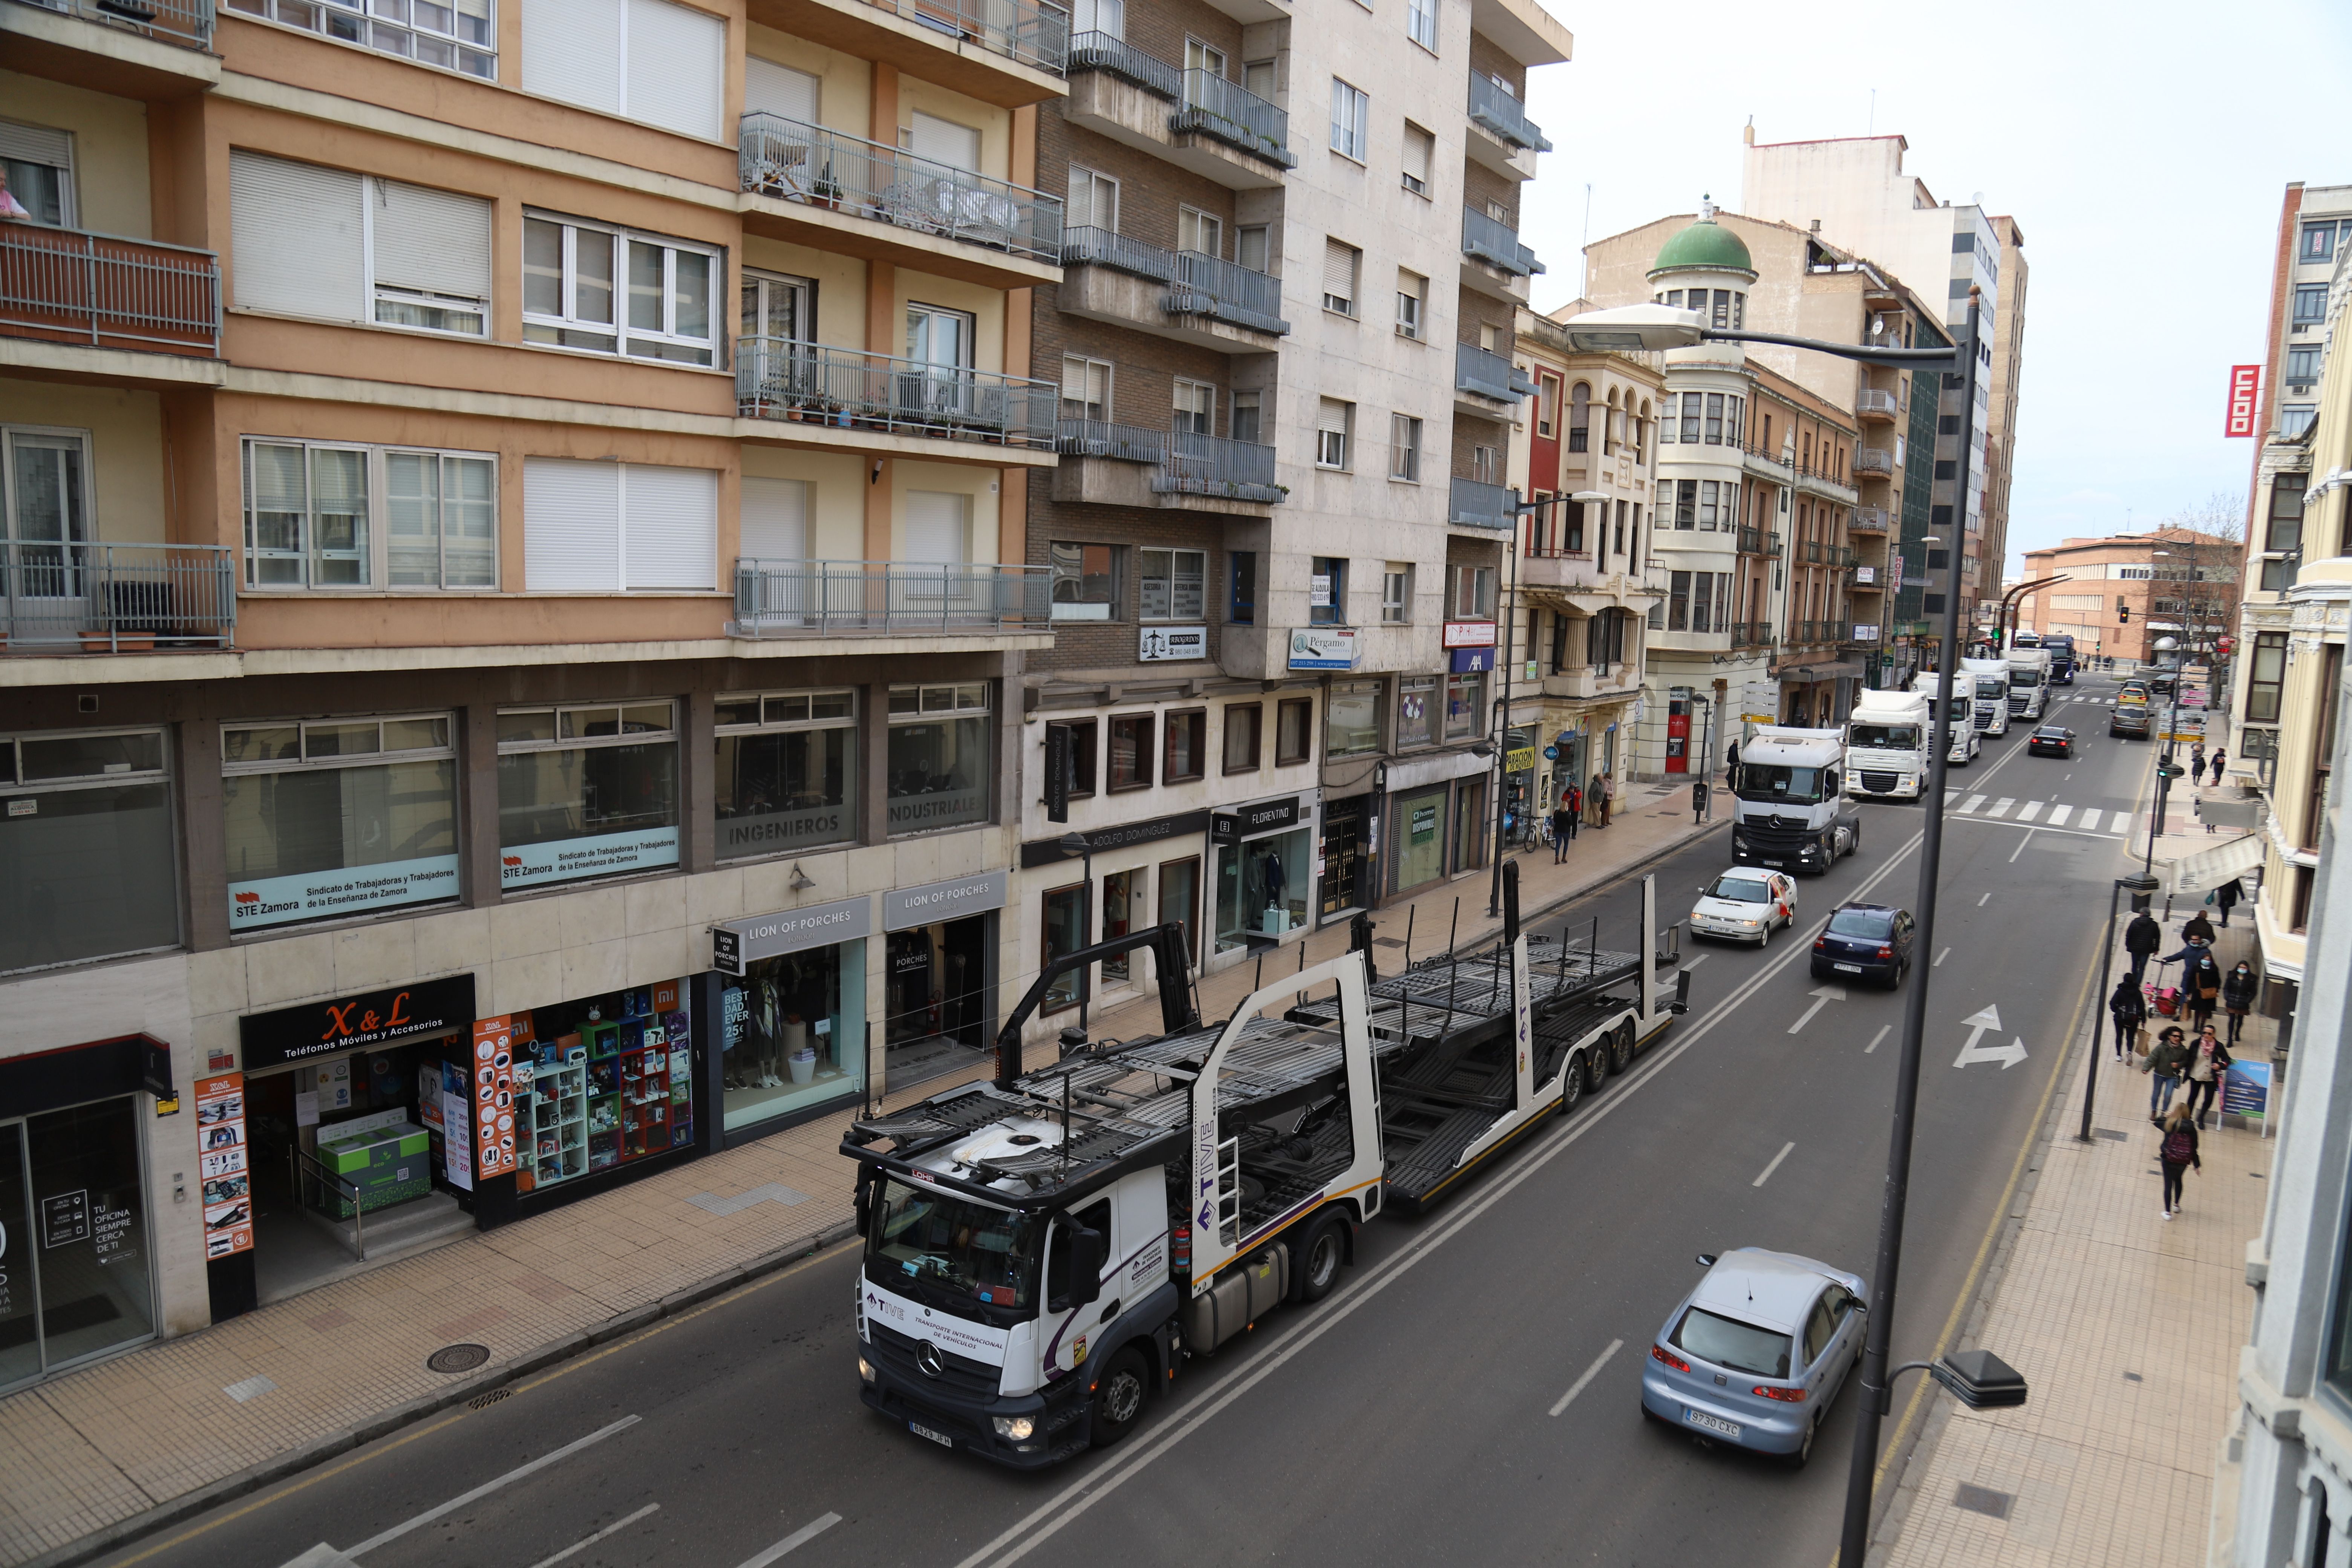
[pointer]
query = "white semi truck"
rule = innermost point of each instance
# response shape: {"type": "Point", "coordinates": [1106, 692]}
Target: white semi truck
{"type": "Point", "coordinates": [1045, 1251]}
{"type": "Point", "coordinates": [1789, 809]}
{"type": "Point", "coordinates": [2029, 683]}
{"type": "Point", "coordinates": [1991, 695]}
{"type": "Point", "coordinates": [1966, 740]}
{"type": "Point", "coordinates": [1886, 739]}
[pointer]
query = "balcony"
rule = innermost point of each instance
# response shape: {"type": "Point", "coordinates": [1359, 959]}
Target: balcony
{"type": "Point", "coordinates": [852, 390]}
{"type": "Point", "coordinates": [1873, 404]}
{"type": "Point", "coordinates": [1005, 52]}
{"type": "Point", "coordinates": [1504, 265]}
{"type": "Point", "coordinates": [1869, 519]}
{"type": "Point", "coordinates": [1200, 122]}
{"type": "Point", "coordinates": [1502, 138]}
{"type": "Point", "coordinates": [885, 599]}
{"type": "Point", "coordinates": [1182, 295]}
{"type": "Point", "coordinates": [145, 49]}
{"type": "Point", "coordinates": [1477, 504]}
{"type": "Point", "coordinates": [1486, 385]}
{"type": "Point", "coordinates": [1560, 566]}
{"type": "Point", "coordinates": [839, 193]}
{"type": "Point", "coordinates": [1751, 634]}
{"type": "Point", "coordinates": [1821, 482]}
{"type": "Point", "coordinates": [92, 291]}
{"type": "Point", "coordinates": [1866, 580]}
{"type": "Point", "coordinates": [1874, 462]}
{"type": "Point", "coordinates": [115, 598]}
{"type": "Point", "coordinates": [1104, 464]}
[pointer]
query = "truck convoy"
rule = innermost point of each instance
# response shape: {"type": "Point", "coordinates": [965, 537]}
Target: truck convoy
{"type": "Point", "coordinates": [1991, 694]}
{"type": "Point", "coordinates": [1789, 806]}
{"type": "Point", "coordinates": [1886, 739]}
{"type": "Point", "coordinates": [1043, 1251]}
{"type": "Point", "coordinates": [1965, 742]}
{"type": "Point", "coordinates": [2061, 648]}
{"type": "Point", "coordinates": [2029, 683]}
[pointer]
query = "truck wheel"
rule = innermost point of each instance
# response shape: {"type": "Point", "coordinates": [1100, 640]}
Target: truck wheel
{"type": "Point", "coordinates": [1315, 1261]}
{"type": "Point", "coordinates": [1621, 1049]}
{"type": "Point", "coordinates": [1596, 1068]}
{"type": "Point", "coordinates": [1118, 1397]}
{"type": "Point", "coordinates": [1571, 1084]}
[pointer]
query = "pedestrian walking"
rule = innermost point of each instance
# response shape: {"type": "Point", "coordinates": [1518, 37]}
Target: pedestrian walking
{"type": "Point", "coordinates": [1608, 799]}
{"type": "Point", "coordinates": [2165, 1066]}
{"type": "Point", "coordinates": [2197, 928]}
{"type": "Point", "coordinates": [2177, 1151]}
{"type": "Point", "coordinates": [2196, 763]}
{"type": "Point", "coordinates": [1575, 807]}
{"type": "Point", "coordinates": [2209, 1060]}
{"type": "Point", "coordinates": [2226, 897]}
{"type": "Point", "coordinates": [2200, 987]}
{"type": "Point", "coordinates": [2129, 1010]}
{"type": "Point", "coordinates": [2220, 758]}
{"type": "Point", "coordinates": [2142, 938]}
{"type": "Point", "coordinates": [2238, 988]}
{"type": "Point", "coordinates": [1731, 765]}
{"type": "Point", "coordinates": [1592, 802]}
{"type": "Point", "coordinates": [1563, 826]}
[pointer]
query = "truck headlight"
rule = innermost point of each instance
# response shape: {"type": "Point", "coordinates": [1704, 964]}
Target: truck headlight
{"type": "Point", "coordinates": [1016, 1427]}
{"type": "Point", "coordinates": [864, 1369]}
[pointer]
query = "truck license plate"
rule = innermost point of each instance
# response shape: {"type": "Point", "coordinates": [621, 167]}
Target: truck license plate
{"type": "Point", "coordinates": [1712, 1423]}
{"type": "Point", "coordinates": [1849, 968]}
{"type": "Point", "coordinates": [1776, 862]}
{"type": "Point", "coordinates": [941, 1439]}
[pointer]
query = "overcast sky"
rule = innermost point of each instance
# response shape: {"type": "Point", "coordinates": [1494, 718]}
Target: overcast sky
{"type": "Point", "coordinates": [2143, 151]}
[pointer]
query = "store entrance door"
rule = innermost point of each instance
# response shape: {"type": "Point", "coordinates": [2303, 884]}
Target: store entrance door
{"type": "Point", "coordinates": [75, 1275]}
{"type": "Point", "coordinates": [937, 1012]}
{"type": "Point", "coordinates": [1343, 855]}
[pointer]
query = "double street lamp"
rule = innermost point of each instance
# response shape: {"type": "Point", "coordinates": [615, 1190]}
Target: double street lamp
{"type": "Point", "coordinates": [1656, 328]}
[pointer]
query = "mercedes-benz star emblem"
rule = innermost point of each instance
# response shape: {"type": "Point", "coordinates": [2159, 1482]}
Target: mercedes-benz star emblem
{"type": "Point", "coordinates": [929, 1358]}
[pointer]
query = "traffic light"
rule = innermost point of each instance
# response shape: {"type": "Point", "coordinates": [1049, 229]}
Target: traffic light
{"type": "Point", "coordinates": [2123, 610]}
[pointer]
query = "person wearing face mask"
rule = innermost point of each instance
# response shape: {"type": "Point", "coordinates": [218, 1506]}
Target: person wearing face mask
{"type": "Point", "coordinates": [2209, 1060]}
{"type": "Point", "coordinates": [2238, 988]}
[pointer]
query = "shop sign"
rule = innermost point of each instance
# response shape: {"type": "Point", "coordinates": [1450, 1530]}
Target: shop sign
{"type": "Point", "coordinates": [494, 1097]}
{"type": "Point", "coordinates": [937, 808]}
{"type": "Point", "coordinates": [1865, 574]}
{"type": "Point", "coordinates": [275, 900]}
{"type": "Point", "coordinates": [565, 859]}
{"type": "Point", "coordinates": [65, 1218]}
{"type": "Point", "coordinates": [736, 943]}
{"type": "Point", "coordinates": [1322, 647]}
{"type": "Point", "coordinates": [1155, 645]}
{"type": "Point", "coordinates": [784, 830]}
{"type": "Point", "coordinates": [221, 1163]}
{"type": "Point", "coordinates": [905, 907]}
{"type": "Point", "coordinates": [1424, 823]}
{"type": "Point", "coordinates": [351, 1023]}
{"type": "Point", "coordinates": [1520, 759]}
{"type": "Point", "coordinates": [1047, 851]}
{"type": "Point", "coordinates": [1472, 660]}
{"type": "Point", "coordinates": [457, 1125]}
{"type": "Point", "coordinates": [2245, 385]}
{"type": "Point", "coordinates": [1866, 632]}
{"type": "Point", "coordinates": [1469, 634]}
{"type": "Point", "coordinates": [1231, 827]}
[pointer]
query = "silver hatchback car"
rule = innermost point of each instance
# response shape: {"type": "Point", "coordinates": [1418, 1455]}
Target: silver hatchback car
{"type": "Point", "coordinates": [1755, 1355]}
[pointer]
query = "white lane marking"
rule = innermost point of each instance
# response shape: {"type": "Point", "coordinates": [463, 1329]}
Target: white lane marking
{"type": "Point", "coordinates": [2024, 841]}
{"type": "Point", "coordinates": [1884, 1030]}
{"type": "Point", "coordinates": [1973, 802]}
{"type": "Point", "coordinates": [1822, 996]}
{"type": "Point", "coordinates": [2090, 821]}
{"type": "Point", "coordinates": [487, 1488]}
{"type": "Point", "coordinates": [1773, 1166]}
{"type": "Point", "coordinates": [1590, 1373]}
{"type": "Point", "coordinates": [612, 1528]}
{"type": "Point", "coordinates": [2059, 814]}
{"type": "Point", "coordinates": [2001, 807]}
{"type": "Point", "coordinates": [1986, 899]}
{"type": "Point", "coordinates": [1939, 959]}
{"type": "Point", "coordinates": [1693, 961]}
{"type": "Point", "coordinates": [794, 1541]}
{"type": "Point", "coordinates": [2121, 823]}
{"type": "Point", "coordinates": [2029, 811]}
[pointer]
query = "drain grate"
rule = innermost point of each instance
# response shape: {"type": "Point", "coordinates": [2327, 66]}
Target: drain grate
{"type": "Point", "coordinates": [2134, 1377]}
{"type": "Point", "coordinates": [1983, 1500]}
{"type": "Point", "coordinates": [457, 1358]}
{"type": "Point", "coordinates": [484, 1401]}
{"type": "Point", "coordinates": [2108, 1133]}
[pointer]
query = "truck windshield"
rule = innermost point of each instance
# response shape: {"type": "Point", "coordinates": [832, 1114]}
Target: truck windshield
{"type": "Point", "coordinates": [1777, 781]}
{"type": "Point", "coordinates": [2025, 678]}
{"type": "Point", "coordinates": [1884, 737]}
{"type": "Point", "coordinates": [951, 1250]}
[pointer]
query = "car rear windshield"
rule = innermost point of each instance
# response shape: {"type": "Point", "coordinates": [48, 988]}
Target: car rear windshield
{"type": "Point", "coordinates": [2053, 734]}
{"type": "Point", "coordinates": [1740, 890]}
{"type": "Point", "coordinates": [1859, 923]}
{"type": "Point", "coordinates": [1727, 1342]}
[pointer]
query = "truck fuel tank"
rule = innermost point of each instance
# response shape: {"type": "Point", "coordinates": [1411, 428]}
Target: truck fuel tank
{"type": "Point", "coordinates": [1243, 1291]}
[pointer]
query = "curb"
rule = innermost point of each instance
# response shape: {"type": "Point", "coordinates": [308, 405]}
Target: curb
{"type": "Point", "coordinates": [294, 1460]}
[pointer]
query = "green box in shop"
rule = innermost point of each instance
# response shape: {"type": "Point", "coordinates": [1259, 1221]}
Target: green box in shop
{"type": "Point", "coordinates": [387, 1165]}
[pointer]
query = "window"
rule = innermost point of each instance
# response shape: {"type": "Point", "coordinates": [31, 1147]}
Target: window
{"type": "Point", "coordinates": [2266, 678]}
{"type": "Point", "coordinates": [787, 770]}
{"type": "Point", "coordinates": [1242, 723]}
{"type": "Point", "coordinates": [940, 756]}
{"type": "Point", "coordinates": [1339, 264]}
{"type": "Point", "coordinates": [1093, 201]}
{"type": "Point", "coordinates": [86, 847]}
{"type": "Point", "coordinates": [1686, 500]}
{"type": "Point", "coordinates": [39, 161]}
{"type": "Point", "coordinates": [593, 526]}
{"type": "Point", "coordinates": [1547, 405]}
{"type": "Point", "coordinates": [1715, 419]}
{"type": "Point", "coordinates": [1350, 109]}
{"type": "Point", "coordinates": [1186, 753]}
{"type": "Point", "coordinates": [1174, 584]}
{"type": "Point", "coordinates": [1084, 581]}
{"type": "Point", "coordinates": [1396, 593]}
{"type": "Point", "coordinates": [1604, 638]}
{"type": "Point", "coordinates": [311, 241]}
{"type": "Point", "coordinates": [1065, 932]}
{"type": "Point", "coordinates": [1327, 591]}
{"type": "Point", "coordinates": [1251, 247]}
{"type": "Point", "coordinates": [1487, 465]}
{"type": "Point", "coordinates": [319, 516]}
{"type": "Point", "coordinates": [1465, 705]}
{"type": "Point", "coordinates": [1245, 426]}
{"type": "Point", "coordinates": [1242, 609]}
{"type": "Point", "coordinates": [1200, 231]}
{"type": "Point", "coordinates": [586, 791]}
{"type": "Point", "coordinates": [2284, 535]}
{"type": "Point", "coordinates": [1413, 292]}
{"type": "Point", "coordinates": [1679, 602]}
{"type": "Point", "coordinates": [646, 60]}
{"type": "Point", "coordinates": [2303, 364]}
{"type": "Point", "coordinates": [1258, 80]}
{"type": "Point", "coordinates": [1130, 752]}
{"type": "Point", "coordinates": [1416, 717]}
{"type": "Point", "coordinates": [1404, 447]}
{"type": "Point", "coordinates": [1420, 155]}
{"type": "Point", "coordinates": [462, 37]}
{"type": "Point", "coordinates": [1421, 23]}
{"type": "Point", "coordinates": [1294, 731]}
{"type": "Point", "coordinates": [1470, 593]}
{"type": "Point", "coordinates": [1352, 720]}
{"type": "Point", "coordinates": [1706, 500]}
{"type": "Point", "coordinates": [1333, 420]}
{"type": "Point", "coordinates": [2310, 304]}
{"type": "Point", "coordinates": [571, 270]}
{"type": "Point", "coordinates": [1195, 408]}
{"type": "Point", "coordinates": [1694, 413]}
{"type": "Point", "coordinates": [1579, 418]}
{"type": "Point", "coordinates": [1086, 388]}
{"type": "Point", "coordinates": [1081, 733]}
{"type": "Point", "coordinates": [1201, 57]}
{"type": "Point", "coordinates": [2318, 242]}
{"type": "Point", "coordinates": [2294, 418]}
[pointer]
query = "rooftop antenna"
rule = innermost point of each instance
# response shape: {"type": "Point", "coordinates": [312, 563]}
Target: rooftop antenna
{"type": "Point", "coordinates": [1872, 129]}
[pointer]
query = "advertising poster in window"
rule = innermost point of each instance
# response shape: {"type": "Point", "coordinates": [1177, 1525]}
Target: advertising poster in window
{"type": "Point", "coordinates": [456, 1126]}
{"type": "Point", "coordinates": [567, 859]}
{"type": "Point", "coordinates": [494, 1099]}
{"type": "Point", "coordinates": [1156, 644]}
{"type": "Point", "coordinates": [1323, 648]}
{"type": "Point", "coordinates": [222, 1164]}
{"type": "Point", "coordinates": [275, 900]}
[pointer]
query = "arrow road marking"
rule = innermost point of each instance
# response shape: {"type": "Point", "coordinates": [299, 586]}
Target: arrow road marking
{"type": "Point", "coordinates": [1979, 1025]}
{"type": "Point", "coordinates": [1823, 994]}
{"type": "Point", "coordinates": [1773, 1166]}
{"type": "Point", "coordinates": [1590, 1373]}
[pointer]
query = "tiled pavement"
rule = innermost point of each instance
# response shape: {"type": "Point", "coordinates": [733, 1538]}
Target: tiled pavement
{"type": "Point", "coordinates": [159, 1428]}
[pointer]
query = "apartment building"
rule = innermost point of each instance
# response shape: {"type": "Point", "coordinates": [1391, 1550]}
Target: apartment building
{"type": "Point", "coordinates": [2125, 593]}
{"type": "Point", "coordinates": [1855, 192]}
{"type": "Point", "coordinates": [509, 683]}
{"type": "Point", "coordinates": [1275, 541]}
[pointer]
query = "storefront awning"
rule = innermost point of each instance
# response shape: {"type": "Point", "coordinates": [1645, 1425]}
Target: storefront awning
{"type": "Point", "coordinates": [2208, 868]}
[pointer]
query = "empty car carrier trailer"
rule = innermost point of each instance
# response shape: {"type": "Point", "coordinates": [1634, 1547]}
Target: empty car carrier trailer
{"type": "Point", "coordinates": [1043, 1251]}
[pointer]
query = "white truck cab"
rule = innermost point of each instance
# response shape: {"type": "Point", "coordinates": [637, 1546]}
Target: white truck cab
{"type": "Point", "coordinates": [1886, 739]}
{"type": "Point", "coordinates": [1991, 694]}
{"type": "Point", "coordinates": [2029, 683]}
{"type": "Point", "coordinates": [1789, 806]}
{"type": "Point", "coordinates": [1966, 740]}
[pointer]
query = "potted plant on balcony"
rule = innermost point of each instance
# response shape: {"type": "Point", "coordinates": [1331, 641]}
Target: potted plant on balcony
{"type": "Point", "coordinates": [827, 192]}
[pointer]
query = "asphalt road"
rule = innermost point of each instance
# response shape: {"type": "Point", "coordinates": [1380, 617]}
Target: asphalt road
{"type": "Point", "coordinates": [1417, 1415]}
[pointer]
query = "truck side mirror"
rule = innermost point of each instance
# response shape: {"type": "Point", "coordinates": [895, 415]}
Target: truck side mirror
{"type": "Point", "coordinates": [1085, 1269]}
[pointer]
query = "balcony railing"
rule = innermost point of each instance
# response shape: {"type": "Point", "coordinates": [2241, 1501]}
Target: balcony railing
{"type": "Point", "coordinates": [1751, 634]}
{"type": "Point", "coordinates": [1503, 115]}
{"type": "Point", "coordinates": [1498, 244]}
{"type": "Point", "coordinates": [119, 598]}
{"type": "Point", "coordinates": [1872, 460]}
{"type": "Point", "coordinates": [776, 378]}
{"type": "Point", "coordinates": [67, 286]}
{"type": "Point", "coordinates": [1033, 35]}
{"type": "Point", "coordinates": [1751, 539]}
{"type": "Point", "coordinates": [185, 22]}
{"type": "Point", "coordinates": [1488, 374]}
{"type": "Point", "coordinates": [1101, 438]}
{"type": "Point", "coordinates": [1870, 401]}
{"type": "Point", "coordinates": [815, 167]}
{"type": "Point", "coordinates": [1477, 504]}
{"type": "Point", "coordinates": [836, 598]}
{"type": "Point", "coordinates": [1206, 285]}
{"type": "Point", "coordinates": [1188, 463]}
{"type": "Point", "coordinates": [1869, 519]}
{"type": "Point", "coordinates": [1207, 104]}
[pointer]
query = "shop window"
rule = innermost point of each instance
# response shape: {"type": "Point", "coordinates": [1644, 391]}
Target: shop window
{"type": "Point", "coordinates": [586, 791]}
{"type": "Point", "coordinates": [1262, 885]}
{"type": "Point", "coordinates": [1420, 853]}
{"type": "Point", "coordinates": [1186, 757]}
{"type": "Point", "coordinates": [1130, 752]}
{"type": "Point", "coordinates": [1417, 702]}
{"type": "Point", "coordinates": [1120, 892]}
{"type": "Point", "coordinates": [787, 771]}
{"type": "Point", "coordinates": [1174, 583]}
{"type": "Point", "coordinates": [1294, 733]}
{"type": "Point", "coordinates": [329, 818]}
{"type": "Point", "coordinates": [1327, 591]}
{"type": "Point", "coordinates": [1180, 901]}
{"type": "Point", "coordinates": [1085, 584]}
{"type": "Point", "coordinates": [1242, 723]}
{"type": "Point", "coordinates": [940, 756]}
{"type": "Point", "coordinates": [605, 1080]}
{"type": "Point", "coordinates": [86, 847]}
{"type": "Point", "coordinates": [1352, 722]}
{"type": "Point", "coordinates": [1065, 932]}
{"type": "Point", "coordinates": [1082, 755]}
{"type": "Point", "coordinates": [612, 291]}
{"type": "Point", "coordinates": [73, 1179]}
{"type": "Point", "coordinates": [792, 1031]}
{"type": "Point", "coordinates": [1465, 702]}
{"type": "Point", "coordinates": [320, 516]}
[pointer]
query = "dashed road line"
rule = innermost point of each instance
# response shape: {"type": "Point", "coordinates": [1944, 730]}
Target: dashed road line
{"type": "Point", "coordinates": [1590, 1373]}
{"type": "Point", "coordinates": [1773, 1166]}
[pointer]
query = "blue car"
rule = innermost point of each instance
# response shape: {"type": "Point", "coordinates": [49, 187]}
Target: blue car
{"type": "Point", "coordinates": [1756, 1355]}
{"type": "Point", "coordinates": [1865, 942]}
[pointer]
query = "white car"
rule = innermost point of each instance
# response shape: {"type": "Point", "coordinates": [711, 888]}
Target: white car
{"type": "Point", "coordinates": [1744, 905]}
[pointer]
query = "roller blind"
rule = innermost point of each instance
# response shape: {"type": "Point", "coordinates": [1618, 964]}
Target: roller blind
{"type": "Point", "coordinates": [1417, 145]}
{"type": "Point", "coordinates": [36, 144]}
{"type": "Point", "coordinates": [294, 238]}
{"type": "Point", "coordinates": [572, 50]}
{"type": "Point", "coordinates": [937, 526]}
{"type": "Point", "coordinates": [771, 88]}
{"type": "Point", "coordinates": [433, 240]}
{"type": "Point", "coordinates": [945, 141]}
{"type": "Point", "coordinates": [669, 526]}
{"type": "Point", "coordinates": [775, 520]}
{"type": "Point", "coordinates": [1331, 414]}
{"type": "Point", "coordinates": [1087, 381]}
{"type": "Point", "coordinates": [571, 525]}
{"type": "Point", "coordinates": [1340, 271]}
{"type": "Point", "coordinates": [677, 68]}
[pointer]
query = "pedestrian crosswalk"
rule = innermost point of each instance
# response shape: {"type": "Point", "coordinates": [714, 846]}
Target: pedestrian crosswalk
{"type": "Point", "coordinates": [2048, 814]}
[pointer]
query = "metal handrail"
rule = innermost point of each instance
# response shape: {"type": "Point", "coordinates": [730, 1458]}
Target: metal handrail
{"type": "Point", "coordinates": [1477, 504]}
{"type": "Point", "coordinates": [1485, 373]}
{"type": "Point", "coordinates": [778, 378]}
{"type": "Point", "coordinates": [75, 286]}
{"type": "Point", "coordinates": [1087, 246]}
{"type": "Point", "coordinates": [793, 162]}
{"type": "Point", "coordinates": [1109, 52]}
{"type": "Point", "coordinates": [1497, 243]}
{"type": "Point", "coordinates": [1220, 107]}
{"type": "Point", "coordinates": [1869, 519]}
{"type": "Point", "coordinates": [188, 23]}
{"type": "Point", "coordinates": [1503, 115]}
{"type": "Point", "coordinates": [1871, 400]}
{"type": "Point", "coordinates": [1102, 438]}
{"type": "Point", "coordinates": [1201, 465]}
{"type": "Point", "coordinates": [117, 598]}
{"type": "Point", "coordinates": [1031, 32]}
{"type": "Point", "coordinates": [1872, 460]}
{"type": "Point", "coordinates": [1751, 538]}
{"type": "Point", "coordinates": [836, 598]}
{"type": "Point", "coordinates": [296, 1164]}
{"type": "Point", "coordinates": [1207, 285]}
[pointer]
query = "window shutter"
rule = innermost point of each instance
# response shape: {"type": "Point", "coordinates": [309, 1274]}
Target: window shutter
{"type": "Point", "coordinates": [938, 527]}
{"type": "Point", "coordinates": [36, 144]}
{"type": "Point", "coordinates": [294, 238]}
{"type": "Point", "coordinates": [1339, 270]}
{"type": "Point", "coordinates": [571, 525]}
{"type": "Point", "coordinates": [434, 240]}
{"type": "Point", "coordinates": [1078, 212]}
{"type": "Point", "coordinates": [771, 88]}
{"type": "Point", "coordinates": [571, 51]}
{"type": "Point", "coordinates": [1417, 145]}
{"type": "Point", "coordinates": [1331, 414]}
{"type": "Point", "coordinates": [669, 526]}
{"type": "Point", "coordinates": [945, 141]}
{"type": "Point", "coordinates": [677, 68]}
{"type": "Point", "coordinates": [775, 520]}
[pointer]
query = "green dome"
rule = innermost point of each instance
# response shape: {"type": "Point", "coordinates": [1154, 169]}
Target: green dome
{"type": "Point", "coordinates": [1704, 244]}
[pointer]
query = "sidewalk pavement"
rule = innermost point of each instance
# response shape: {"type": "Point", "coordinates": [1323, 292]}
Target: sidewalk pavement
{"type": "Point", "coordinates": [2127, 1326]}
{"type": "Point", "coordinates": [160, 1432]}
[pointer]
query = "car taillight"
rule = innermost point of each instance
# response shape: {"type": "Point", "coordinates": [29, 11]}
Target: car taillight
{"type": "Point", "coordinates": [1821, 944]}
{"type": "Point", "coordinates": [1885, 952]}
{"type": "Point", "coordinates": [1787, 1396]}
{"type": "Point", "coordinates": [1660, 1353]}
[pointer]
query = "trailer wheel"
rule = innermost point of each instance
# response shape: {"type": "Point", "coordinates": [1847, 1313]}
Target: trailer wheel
{"type": "Point", "coordinates": [1315, 1261]}
{"type": "Point", "coordinates": [1596, 1068]}
{"type": "Point", "coordinates": [1620, 1047]}
{"type": "Point", "coordinates": [1118, 1397]}
{"type": "Point", "coordinates": [1571, 1084]}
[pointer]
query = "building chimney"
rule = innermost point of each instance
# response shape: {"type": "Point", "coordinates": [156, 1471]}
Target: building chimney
{"type": "Point", "coordinates": [1817, 226]}
{"type": "Point", "coordinates": [1749, 135]}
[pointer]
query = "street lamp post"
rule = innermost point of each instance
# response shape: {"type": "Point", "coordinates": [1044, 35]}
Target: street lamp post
{"type": "Point", "coordinates": [2164, 764]}
{"type": "Point", "coordinates": [2142, 888]}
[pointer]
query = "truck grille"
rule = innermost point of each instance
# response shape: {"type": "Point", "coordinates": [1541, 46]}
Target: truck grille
{"type": "Point", "coordinates": [958, 1375]}
{"type": "Point", "coordinates": [1878, 783]}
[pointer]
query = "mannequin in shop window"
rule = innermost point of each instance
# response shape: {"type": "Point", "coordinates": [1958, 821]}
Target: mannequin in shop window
{"type": "Point", "coordinates": [1272, 878]}
{"type": "Point", "coordinates": [763, 1032]}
